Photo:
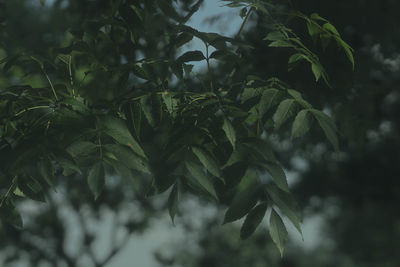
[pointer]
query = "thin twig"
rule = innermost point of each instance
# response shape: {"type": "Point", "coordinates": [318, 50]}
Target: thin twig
{"type": "Point", "coordinates": [31, 108]}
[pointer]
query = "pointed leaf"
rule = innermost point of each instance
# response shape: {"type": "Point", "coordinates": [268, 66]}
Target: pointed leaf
{"type": "Point", "coordinates": [191, 56]}
{"type": "Point", "coordinates": [278, 231]}
{"type": "Point", "coordinates": [229, 132]}
{"type": "Point", "coordinates": [96, 179]}
{"type": "Point", "coordinates": [270, 98]}
{"type": "Point", "coordinates": [301, 124]}
{"type": "Point", "coordinates": [201, 178]}
{"type": "Point", "coordinates": [128, 158]}
{"type": "Point", "coordinates": [173, 201]}
{"type": "Point", "coordinates": [117, 129]}
{"type": "Point", "coordinates": [46, 171]}
{"type": "Point", "coordinates": [208, 161]}
{"type": "Point", "coordinates": [286, 204]}
{"type": "Point", "coordinates": [9, 214]}
{"type": "Point", "coordinates": [284, 111]}
{"type": "Point", "coordinates": [277, 174]}
{"type": "Point", "coordinates": [245, 198]}
{"type": "Point", "coordinates": [328, 126]}
{"type": "Point", "coordinates": [253, 219]}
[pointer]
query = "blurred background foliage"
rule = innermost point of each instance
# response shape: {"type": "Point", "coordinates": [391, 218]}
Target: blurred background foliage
{"type": "Point", "coordinates": [356, 192]}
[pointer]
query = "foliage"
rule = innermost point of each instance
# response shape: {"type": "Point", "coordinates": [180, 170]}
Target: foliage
{"type": "Point", "coordinates": [72, 111]}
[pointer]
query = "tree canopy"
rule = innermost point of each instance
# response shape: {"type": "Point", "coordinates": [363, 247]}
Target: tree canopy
{"type": "Point", "coordinates": [111, 91]}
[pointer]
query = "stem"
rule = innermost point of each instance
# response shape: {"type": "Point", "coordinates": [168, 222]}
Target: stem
{"type": "Point", "coordinates": [31, 108]}
{"type": "Point", "coordinates": [51, 84]}
{"type": "Point", "coordinates": [70, 75]}
{"type": "Point", "coordinates": [14, 181]}
{"type": "Point", "coordinates": [246, 19]}
{"type": "Point", "coordinates": [209, 69]}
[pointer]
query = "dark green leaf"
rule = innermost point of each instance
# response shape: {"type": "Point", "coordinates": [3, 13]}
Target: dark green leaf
{"type": "Point", "coordinates": [96, 179]}
{"type": "Point", "coordinates": [117, 129]}
{"type": "Point", "coordinates": [128, 158]}
{"type": "Point", "coordinates": [173, 201]}
{"type": "Point", "coordinates": [9, 214]}
{"type": "Point", "coordinates": [277, 174]}
{"type": "Point", "coordinates": [201, 178]}
{"type": "Point", "coordinates": [191, 56]}
{"type": "Point", "coordinates": [328, 126]}
{"type": "Point", "coordinates": [253, 219]}
{"type": "Point", "coordinates": [208, 161]}
{"type": "Point", "coordinates": [270, 98]}
{"type": "Point", "coordinates": [286, 204]}
{"type": "Point", "coordinates": [245, 198]}
{"type": "Point", "coordinates": [46, 171]}
{"type": "Point", "coordinates": [278, 231]}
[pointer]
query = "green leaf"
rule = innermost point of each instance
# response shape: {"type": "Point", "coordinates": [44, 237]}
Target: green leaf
{"type": "Point", "coordinates": [348, 50]}
{"type": "Point", "coordinates": [328, 126]}
{"type": "Point", "coordinates": [315, 16]}
{"type": "Point", "coordinates": [128, 158]}
{"type": "Point", "coordinates": [81, 147]}
{"type": "Point", "coordinates": [313, 30]}
{"type": "Point", "coordinates": [229, 132]}
{"type": "Point", "coordinates": [270, 98]}
{"type": "Point", "coordinates": [329, 27]}
{"type": "Point", "coordinates": [42, 2]}
{"type": "Point", "coordinates": [147, 105]}
{"type": "Point", "coordinates": [191, 56]}
{"type": "Point", "coordinates": [286, 204]}
{"type": "Point", "coordinates": [301, 124]}
{"type": "Point", "coordinates": [317, 71]}
{"type": "Point", "coordinates": [281, 43]}
{"type": "Point", "coordinates": [208, 161]}
{"type": "Point", "coordinates": [277, 174]}
{"type": "Point", "coordinates": [96, 179]}
{"type": "Point", "coordinates": [253, 219]}
{"type": "Point", "coordinates": [168, 9]}
{"type": "Point", "coordinates": [46, 171]}
{"type": "Point", "coordinates": [295, 59]}
{"type": "Point", "coordinates": [285, 110]}
{"type": "Point", "coordinates": [245, 198]}
{"type": "Point", "coordinates": [182, 39]}
{"type": "Point", "coordinates": [275, 36]}
{"type": "Point", "coordinates": [202, 179]}
{"type": "Point", "coordinates": [9, 214]}
{"type": "Point", "coordinates": [278, 231]}
{"type": "Point", "coordinates": [117, 129]}
{"type": "Point", "coordinates": [135, 115]}
{"type": "Point", "coordinates": [173, 201]}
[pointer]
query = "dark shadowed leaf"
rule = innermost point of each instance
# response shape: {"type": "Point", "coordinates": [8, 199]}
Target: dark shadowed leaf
{"type": "Point", "coordinates": [253, 219]}
{"type": "Point", "coordinates": [201, 178]}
